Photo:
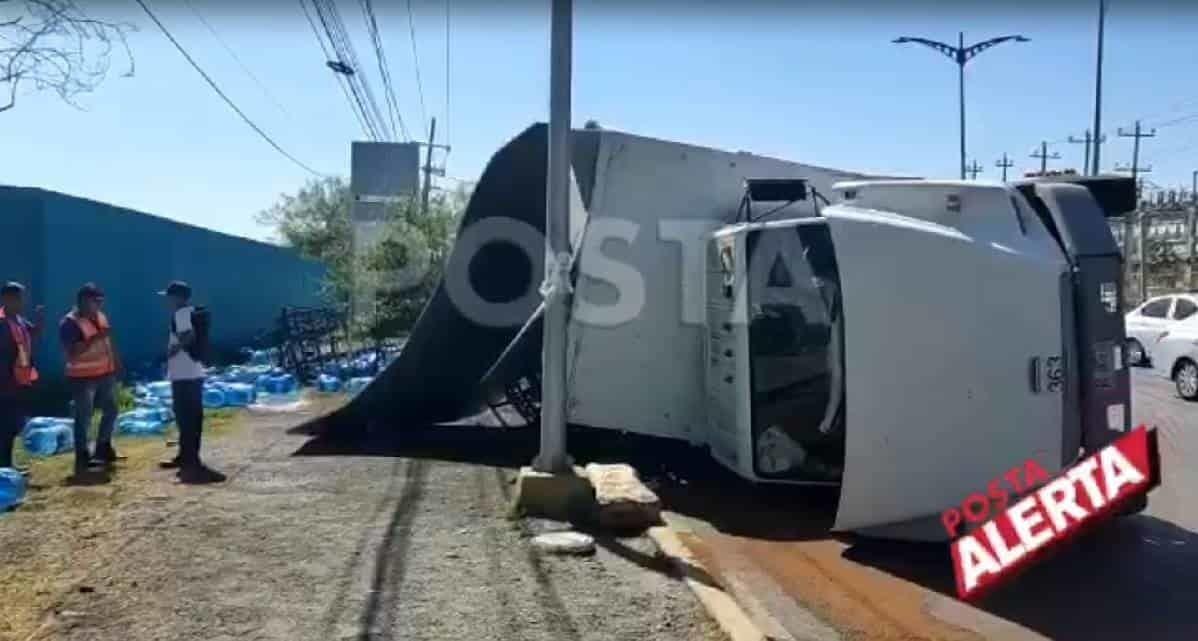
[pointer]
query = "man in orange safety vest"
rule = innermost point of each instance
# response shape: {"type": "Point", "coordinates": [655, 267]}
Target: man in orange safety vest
{"type": "Point", "coordinates": [17, 373]}
{"type": "Point", "coordinates": [92, 366]}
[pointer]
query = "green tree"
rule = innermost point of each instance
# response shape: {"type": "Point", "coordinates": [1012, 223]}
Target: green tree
{"type": "Point", "coordinates": [405, 265]}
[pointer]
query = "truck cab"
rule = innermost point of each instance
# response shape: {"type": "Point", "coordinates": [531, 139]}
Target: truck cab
{"type": "Point", "coordinates": [914, 341]}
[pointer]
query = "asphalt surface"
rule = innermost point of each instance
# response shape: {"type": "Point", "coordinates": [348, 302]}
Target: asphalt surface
{"type": "Point", "coordinates": [1135, 578]}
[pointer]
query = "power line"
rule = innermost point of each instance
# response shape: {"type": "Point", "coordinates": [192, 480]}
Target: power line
{"type": "Point", "coordinates": [416, 63]}
{"type": "Point", "coordinates": [384, 71]}
{"type": "Point", "coordinates": [346, 63]}
{"type": "Point", "coordinates": [340, 81]}
{"type": "Point", "coordinates": [347, 80]}
{"type": "Point", "coordinates": [363, 80]}
{"type": "Point", "coordinates": [220, 93]}
{"type": "Point", "coordinates": [235, 57]}
{"type": "Point", "coordinates": [368, 90]}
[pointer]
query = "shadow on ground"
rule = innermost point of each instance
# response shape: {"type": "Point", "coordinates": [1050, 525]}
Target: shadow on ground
{"type": "Point", "coordinates": [1134, 578]}
{"type": "Point", "coordinates": [686, 478]}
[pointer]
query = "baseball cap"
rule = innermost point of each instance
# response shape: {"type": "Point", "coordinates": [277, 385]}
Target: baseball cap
{"type": "Point", "coordinates": [11, 287]}
{"type": "Point", "coordinates": [90, 290]}
{"type": "Point", "coordinates": [177, 288]}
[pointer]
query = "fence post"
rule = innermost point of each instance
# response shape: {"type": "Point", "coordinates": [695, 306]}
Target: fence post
{"type": "Point", "coordinates": [1141, 232]}
{"type": "Point", "coordinates": [1190, 232]}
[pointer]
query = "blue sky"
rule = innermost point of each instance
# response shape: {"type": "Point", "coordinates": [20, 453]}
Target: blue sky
{"type": "Point", "coordinates": [807, 83]}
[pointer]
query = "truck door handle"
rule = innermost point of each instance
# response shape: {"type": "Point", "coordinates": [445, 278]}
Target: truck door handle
{"type": "Point", "coordinates": [1034, 374]}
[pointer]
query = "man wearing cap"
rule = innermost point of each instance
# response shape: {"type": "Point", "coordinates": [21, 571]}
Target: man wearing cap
{"type": "Point", "coordinates": [186, 375]}
{"type": "Point", "coordinates": [92, 366]}
{"type": "Point", "coordinates": [17, 373]}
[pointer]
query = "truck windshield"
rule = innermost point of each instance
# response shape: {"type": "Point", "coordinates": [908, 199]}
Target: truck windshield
{"type": "Point", "coordinates": [796, 339]}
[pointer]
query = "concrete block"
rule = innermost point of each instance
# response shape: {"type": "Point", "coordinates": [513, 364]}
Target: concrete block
{"type": "Point", "coordinates": [564, 497]}
{"type": "Point", "coordinates": [622, 500]}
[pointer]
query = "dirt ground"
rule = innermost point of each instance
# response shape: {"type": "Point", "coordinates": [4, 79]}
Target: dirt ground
{"type": "Point", "coordinates": [327, 545]}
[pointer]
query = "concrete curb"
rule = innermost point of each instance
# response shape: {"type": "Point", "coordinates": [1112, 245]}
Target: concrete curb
{"type": "Point", "coordinates": [718, 603]}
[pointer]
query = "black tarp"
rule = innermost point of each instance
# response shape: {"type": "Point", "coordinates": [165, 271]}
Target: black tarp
{"type": "Point", "coordinates": [437, 375]}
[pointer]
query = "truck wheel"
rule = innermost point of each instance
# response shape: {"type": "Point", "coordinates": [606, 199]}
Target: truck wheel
{"type": "Point", "coordinates": [1185, 377]}
{"type": "Point", "coordinates": [1135, 353]}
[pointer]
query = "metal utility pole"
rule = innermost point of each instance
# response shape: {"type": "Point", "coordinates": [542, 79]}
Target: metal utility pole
{"type": "Point", "coordinates": [974, 169]}
{"type": "Point", "coordinates": [1004, 164]}
{"type": "Point", "coordinates": [1194, 186]}
{"type": "Point", "coordinates": [961, 54]}
{"type": "Point", "coordinates": [1044, 156]}
{"type": "Point", "coordinates": [1137, 134]}
{"type": "Point", "coordinates": [552, 457]}
{"type": "Point", "coordinates": [1087, 139]}
{"type": "Point", "coordinates": [1098, 137]}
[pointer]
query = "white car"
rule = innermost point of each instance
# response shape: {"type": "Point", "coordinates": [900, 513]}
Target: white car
{"type": "Point", "coordinates": [1146, 323]}
{"type": "Point", "coordinates": [1175, 356]}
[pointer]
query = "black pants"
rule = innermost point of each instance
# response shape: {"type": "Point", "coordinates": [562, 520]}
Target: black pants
{"type": "Point", "coordinates": [12, 421]}
{"type": "Point", "coordinates": [188, 402]}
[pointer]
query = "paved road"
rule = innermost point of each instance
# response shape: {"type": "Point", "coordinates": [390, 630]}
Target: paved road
{"type": "Point", "coordinates": [1135, 579]}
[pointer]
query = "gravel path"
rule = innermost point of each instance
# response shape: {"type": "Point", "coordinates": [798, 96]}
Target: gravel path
{"type": "Point", "coordinates": [357, 547]}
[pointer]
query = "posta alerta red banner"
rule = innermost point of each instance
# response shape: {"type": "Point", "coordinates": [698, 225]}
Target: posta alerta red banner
{"type": "Point", "coordinates": [1057, 511]}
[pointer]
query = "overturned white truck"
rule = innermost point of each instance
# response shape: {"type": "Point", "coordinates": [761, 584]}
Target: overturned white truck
{"type": "Point", "coordinates": [907, 340]}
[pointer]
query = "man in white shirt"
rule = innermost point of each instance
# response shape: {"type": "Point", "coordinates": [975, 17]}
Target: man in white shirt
{"type": "Point", "coordinates": [186, 375]}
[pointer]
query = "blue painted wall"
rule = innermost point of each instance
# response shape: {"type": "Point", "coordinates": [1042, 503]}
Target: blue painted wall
{"type": "Point", "coordinates": [132, 256]}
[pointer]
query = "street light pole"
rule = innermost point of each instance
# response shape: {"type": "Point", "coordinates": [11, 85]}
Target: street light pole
{"type": "Point", "coordinates": [961, 55]}
{"type": "Point", "coordinates": [552, 457]}
{"type": "Point", "coordinates": [961, 100]}
{"type": "Point", "coordinates": [1098, 90]}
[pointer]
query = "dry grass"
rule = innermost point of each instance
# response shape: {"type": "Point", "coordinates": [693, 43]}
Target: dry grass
{"type": "Point", "coordinates": [65, 528]}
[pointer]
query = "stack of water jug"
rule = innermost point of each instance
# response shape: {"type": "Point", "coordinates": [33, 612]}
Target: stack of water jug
{"type": "Point", "coordinates": [48, 435]}
{"type": "Point", "coordinates": [12, 488]}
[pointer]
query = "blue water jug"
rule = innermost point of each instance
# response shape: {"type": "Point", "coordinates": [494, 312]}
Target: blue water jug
{"type": "Point", "coordinates": [238, 394]}
{"type": "Point", "coordinates": [12, 488]}
{"type": "Point", "coordinates": [139, 426]}
{"type": "Point", "coordinates": [282, 398]}
{"type": "Point", "coordinates": [160, 389]}
{"type": "Point", "coordinates": [357, 384]}
{"type": "Point", "coordinates": [214, 397]}
{"type": "Point", "coordinates": [47, 436]}
{"type": "Point", "coordinates": [327, 383]}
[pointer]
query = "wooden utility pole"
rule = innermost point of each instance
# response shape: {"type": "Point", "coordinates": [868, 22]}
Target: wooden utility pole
{"type": "Point", "coordinates": [1137, 133]}
{"type": "Point", "coordinates": [1086, 140]}
{"type": "Point", "coordinates": [428, 168]}
{"type": "Point", "coordinates": [1044, 156]}
{"type": "Point", "coordinates": [1004, 164]}
{"type": "Point", "coordinates": [973, 169]}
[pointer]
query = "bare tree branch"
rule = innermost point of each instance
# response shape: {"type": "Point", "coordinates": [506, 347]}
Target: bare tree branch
{"type": "Point", "coordinates": [54, 45]}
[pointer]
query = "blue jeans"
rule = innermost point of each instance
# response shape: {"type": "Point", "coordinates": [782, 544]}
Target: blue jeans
{"type": "Point", "coordinates": [91, 394]}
